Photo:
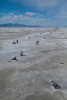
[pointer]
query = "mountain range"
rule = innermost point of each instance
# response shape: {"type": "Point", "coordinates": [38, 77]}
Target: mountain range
{"type": "Point", "coordinates": [17, 25]}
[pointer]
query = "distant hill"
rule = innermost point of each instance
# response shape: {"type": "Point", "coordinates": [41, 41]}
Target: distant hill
{"type": "Point", "coordinates": [17, 25]}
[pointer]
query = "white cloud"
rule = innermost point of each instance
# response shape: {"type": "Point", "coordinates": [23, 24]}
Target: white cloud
{"type": "Point", "coordinates": [39, 19]}
{"type": "Point", "coordinates": [22, 19]}
{"type": "Point", "coordinates": [28, 20]}
{"type": "Point", "coordinates": [30, 13]}
{"type": "Point", "coordinates": [11, 13]}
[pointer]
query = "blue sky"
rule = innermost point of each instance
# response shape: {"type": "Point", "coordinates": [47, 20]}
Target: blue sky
{"type": "Point", "coordinates": [34, 12]}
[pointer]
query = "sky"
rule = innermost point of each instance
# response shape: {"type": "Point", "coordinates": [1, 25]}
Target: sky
{"type": "Point", "coordinates": [34, 12]}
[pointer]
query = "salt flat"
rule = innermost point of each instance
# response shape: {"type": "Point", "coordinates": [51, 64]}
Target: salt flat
{"type": "Point", "coordinates": [28, 78]}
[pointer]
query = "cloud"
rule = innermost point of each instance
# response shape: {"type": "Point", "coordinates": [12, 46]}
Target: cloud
{"type": "Point", "coordinates": [33, 18]}
{"type": "Point", "coordinates": [28, 20]}
{"type": "Point", "coordinates": [11, 13]}
{"type": "Point", "coordinates": [62, 11]}
{"type": "Point", "coordinates": [23, 19]}
{"type": "Point", "coordinates": [30, 13]}
{"type": "Point", "coordinates": [40, 4]}
{"type": "Point", "coordinates": [43, 12]}
{"type": "Point", "coordinates": [62, 15]}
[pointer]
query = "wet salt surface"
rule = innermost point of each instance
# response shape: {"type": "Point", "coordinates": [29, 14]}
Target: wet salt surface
{"type": "Point", "coordinates": [29, 77]}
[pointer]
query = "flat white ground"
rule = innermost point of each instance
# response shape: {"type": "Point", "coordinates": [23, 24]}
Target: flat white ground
{"type": "Point", "coordinates": [28, 78]}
